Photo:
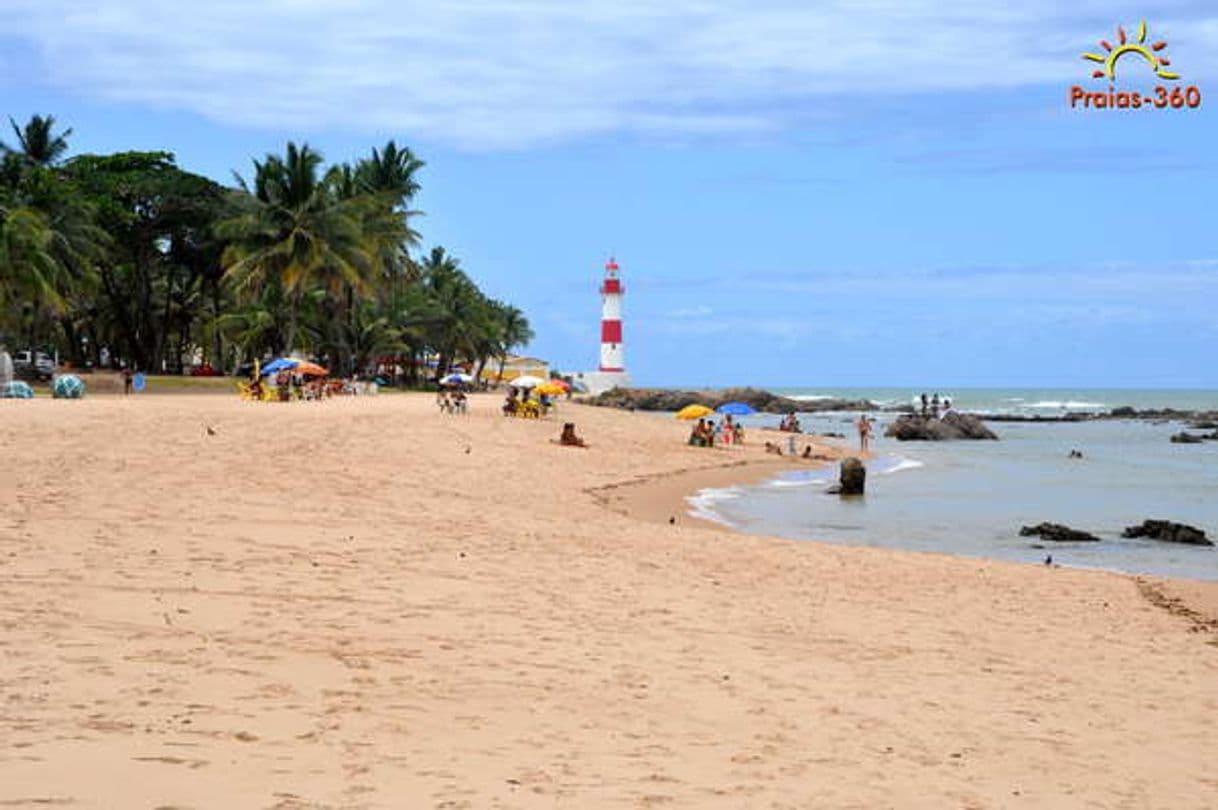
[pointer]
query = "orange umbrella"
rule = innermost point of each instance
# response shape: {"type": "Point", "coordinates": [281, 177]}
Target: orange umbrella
{"type": "Point", "coordinates": [310, 369]}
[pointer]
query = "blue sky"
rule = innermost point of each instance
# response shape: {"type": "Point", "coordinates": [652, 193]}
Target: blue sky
{"type": "Point", "coordinates": [799, 193]}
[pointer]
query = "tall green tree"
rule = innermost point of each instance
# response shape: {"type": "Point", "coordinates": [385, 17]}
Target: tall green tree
{"type": "Point", "coordinates": [37, 141]}
{"type": "Point", "coordinates": [161, 265]}
{"type": "Point", "coordinates": [292, 232]}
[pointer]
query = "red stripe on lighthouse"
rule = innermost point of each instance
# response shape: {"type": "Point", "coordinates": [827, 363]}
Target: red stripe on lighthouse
{"type": "Point", "coordinates": [611, 331]}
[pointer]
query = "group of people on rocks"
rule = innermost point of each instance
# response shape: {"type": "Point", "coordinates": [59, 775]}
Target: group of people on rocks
{"type": "Point", "coordinates": [935, 406]}
{"type": "Point", "coordinates": [790, 424]}
{"type": "Point", "coordinates": [706, 433]}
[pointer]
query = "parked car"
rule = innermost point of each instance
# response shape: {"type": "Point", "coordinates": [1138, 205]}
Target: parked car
{"type": "Point", "coordinates": [33, 365]}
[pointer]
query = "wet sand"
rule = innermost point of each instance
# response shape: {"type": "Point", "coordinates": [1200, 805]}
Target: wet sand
{"type": "Point", "coordinates": [364, 603]}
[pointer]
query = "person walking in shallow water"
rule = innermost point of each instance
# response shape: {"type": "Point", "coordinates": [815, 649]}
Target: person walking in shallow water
{"type": "Point", "coordinates": [864, 427]}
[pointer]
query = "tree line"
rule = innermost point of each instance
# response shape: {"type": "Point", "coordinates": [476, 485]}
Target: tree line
{"type": "Point", "coordinates": [131, 258]}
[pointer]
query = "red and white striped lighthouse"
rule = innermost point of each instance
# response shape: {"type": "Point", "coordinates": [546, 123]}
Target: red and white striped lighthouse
{"type": "Point", "coordinates": [612, 356]}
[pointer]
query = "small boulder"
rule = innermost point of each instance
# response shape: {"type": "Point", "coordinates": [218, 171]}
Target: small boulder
{"type": "Point", "coordinates": [1168, 532]}
{"type": "Point", "coordinates": [1185, 437]}
{"type": "Point", "coordinates": [1057, 533]}
{"type": "Point", "coordinates": [853, 477]}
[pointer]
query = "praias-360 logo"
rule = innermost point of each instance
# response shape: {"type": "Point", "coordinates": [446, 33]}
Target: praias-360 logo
{"type": "Point", "coordinates": [1128, 52]}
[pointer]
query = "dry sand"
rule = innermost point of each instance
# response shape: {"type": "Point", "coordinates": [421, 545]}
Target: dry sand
{"type": "Point", "coordinates": [363, 603]}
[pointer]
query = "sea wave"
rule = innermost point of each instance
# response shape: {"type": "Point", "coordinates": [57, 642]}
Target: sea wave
{"type": "Point", "coordinates": [1068, 405]}
{"type": "Point", "coordinates": [900, 464]}
{"type": "Point", "coordinates": [810, 397]}
{"type": "Point", "coordinates": [802, 481]}
{"type": "Point", "coordinates": [702, 503]}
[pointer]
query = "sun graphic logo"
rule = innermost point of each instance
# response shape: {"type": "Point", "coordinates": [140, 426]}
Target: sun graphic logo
{"type": "Point", "coordinates": [1148, 53]}
{"type": "Point", "coordinates": [1151, 54]}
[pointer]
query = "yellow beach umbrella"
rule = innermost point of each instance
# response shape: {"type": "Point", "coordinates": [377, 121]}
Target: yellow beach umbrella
{"type": "Point", "coordinates": [550, 389]}
{"type": "Point", "coordinates": [694, 412]}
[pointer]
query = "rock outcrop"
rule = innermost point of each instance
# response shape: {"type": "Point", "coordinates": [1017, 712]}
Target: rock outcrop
{"type": "Point", "coordinates": [1058, 533]}
{"type": "Point", "coordinates": [1169, 532]}
{"type": "Point", "coordinates": [853, 477]}
{"type": "Point", "coordinates": [663, 399]}
{"type": "Point", "coordinates": [926, 428]}
{"type": "Point", "coordinates": [1187, 438]}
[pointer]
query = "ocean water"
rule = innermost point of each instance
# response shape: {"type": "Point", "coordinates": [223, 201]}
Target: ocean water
{"type": "Point", "coordinates": [971, 498]}
{"type": "Point", "coordinates": [1029, 401]}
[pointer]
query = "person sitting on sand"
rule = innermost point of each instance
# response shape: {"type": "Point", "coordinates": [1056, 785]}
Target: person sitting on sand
{"type": "Point", "coordinates": [569, 438]}
{"type": "Point", "coordinates": [807, 453]}
{"type": "Point", "coordinates": [710, 432]}
{"type": "Point", "coordinates": [773, 449]}
{"type": "Point", "coordinates": [510, 403]}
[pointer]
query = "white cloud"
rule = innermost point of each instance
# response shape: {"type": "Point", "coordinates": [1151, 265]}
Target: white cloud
{"type": "Point", "coordinates": [505, 73]}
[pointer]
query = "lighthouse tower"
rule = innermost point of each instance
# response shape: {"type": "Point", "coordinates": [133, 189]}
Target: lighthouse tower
{"type": "Point", "coordinates": [612, 370]}
{"type": "Point", "coordinates": [611, 320]}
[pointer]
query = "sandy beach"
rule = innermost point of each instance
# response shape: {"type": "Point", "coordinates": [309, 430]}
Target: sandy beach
{"type": "Point", "coordinates": [364, 603]}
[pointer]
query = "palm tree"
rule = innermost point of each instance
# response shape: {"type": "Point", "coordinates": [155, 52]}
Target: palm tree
{"type": "Point", "coordinates": [391, 171]}
{"type": "Point", "coordinates": [28, 269]}
{"type": "Point", "coordinates": [455, 308]}
{"type": "Point", "coordinates": [514, 330]}
{"type": "Point", "coordinates": [293, 232]}
{"type": "Point", "coordinates": [37, 142]}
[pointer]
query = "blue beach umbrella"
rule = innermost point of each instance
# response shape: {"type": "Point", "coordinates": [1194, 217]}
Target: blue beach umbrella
{"type": "Point", "coordinates": [736, 409]}
{"type": "Point", "coordinates": [279, 364]}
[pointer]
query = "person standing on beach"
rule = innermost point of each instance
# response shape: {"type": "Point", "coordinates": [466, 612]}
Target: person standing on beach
{"type": "Point", "coordinates": [127, 380]}
{"type": "Point", "coordinates": [925, 402]}
{"type": "Point", "coordinates": [934, 406]}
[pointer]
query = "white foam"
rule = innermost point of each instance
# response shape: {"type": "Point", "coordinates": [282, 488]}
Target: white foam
{"type": "Point", "coordinates": [702, 503]}
{"type": "Point", "coordinates": [1067, 405]}
{"type": "Point", "coordinates": [810, 397]}
{"type": "Point", "coordinates": [903, 464]}
{"type": "Point", "coordinates": [785, 483]}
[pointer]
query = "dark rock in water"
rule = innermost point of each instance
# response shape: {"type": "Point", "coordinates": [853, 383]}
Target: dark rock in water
{"type": "Point", "coordinates": [662, 399]}
{"type": "Point", "coordinates": [1204, 424]}
{"type": "Point", "coordinates": [1168, 532]}
{"type": "Point", "coordinates": [1057, 533]}
{"type": "Point", "coordinates": [1123, 412]}
{"type": "Point", "coordinates": [1187, 438]}
{"type": "Point", "coordinates": [951, 426]}
{"type": "Point", "coordinates": [853, 477]}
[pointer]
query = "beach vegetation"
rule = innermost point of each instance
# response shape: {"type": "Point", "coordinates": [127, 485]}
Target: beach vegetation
{"type": "Point", "coordinates": [129, 259]}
